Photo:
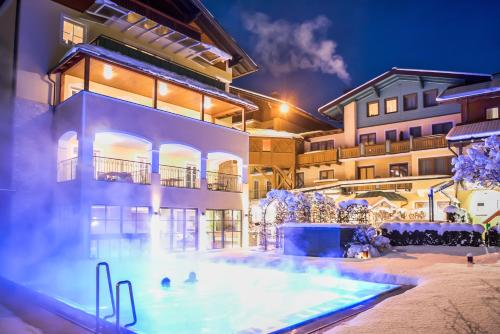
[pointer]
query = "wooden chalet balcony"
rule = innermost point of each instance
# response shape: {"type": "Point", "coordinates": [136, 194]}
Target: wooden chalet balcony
{"type": "Point", "coordinates": [404, 146]}
{"type": "Point", "coordinates": [318, 157]}
{"type": "Point", "coordinates": [429, 142]}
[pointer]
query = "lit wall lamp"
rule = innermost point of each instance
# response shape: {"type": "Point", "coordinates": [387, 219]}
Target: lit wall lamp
{"type": "Point", "coordinates": [208, 103]}
{"type": "Point", "coordinates": [284, 108]}
{"type": "Point", "coordinates": [107, 71]}
{"type": "Point", "coordinates": [162, 88]}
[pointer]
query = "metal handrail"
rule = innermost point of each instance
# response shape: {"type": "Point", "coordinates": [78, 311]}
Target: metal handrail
{"type": "Point", "coordinates": [134, 314]}
{"type": "Point", "coordinates": [97, 294]}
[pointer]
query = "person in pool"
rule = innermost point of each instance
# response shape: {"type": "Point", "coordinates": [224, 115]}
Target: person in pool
{"type": "Point", "coordinates": [191, 278]}
{"type": "Point", "coordinates": [165, 283]}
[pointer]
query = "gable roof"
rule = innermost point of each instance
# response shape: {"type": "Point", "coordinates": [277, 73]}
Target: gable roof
{"type": "Point", "coordinates": [258, 98]}
{"type": "Point", "coordinates": [490, 88]}
{"type": "Point", "coordinates": [180, 15]}
{"type": "Point", "coordinates": [466, 77]}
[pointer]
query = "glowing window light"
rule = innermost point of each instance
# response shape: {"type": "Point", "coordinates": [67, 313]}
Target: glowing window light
{"type": "Point", "coordinates": [162, 88]}
{"type": "Point", "coordinates": [284, 108]}
{"type": "Point", "coordinates": [207, 104]}
{"type": "Point", "coordinates": [107, 71]}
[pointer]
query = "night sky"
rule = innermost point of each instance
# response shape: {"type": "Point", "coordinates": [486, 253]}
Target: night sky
{"type": "Point", "coordinates": [292, 41]}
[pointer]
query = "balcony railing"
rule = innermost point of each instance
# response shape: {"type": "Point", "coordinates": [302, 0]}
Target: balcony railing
{"type": "Point", "coordinates": [429, 142]}
{"type": "Point", "coordinates": [224, 182]}
{"type": "Point", "coordinates": [118, 170]}
{"type": "Point", "coordinates": [404, 146]}
{"type": "Point", "coordinates": [350, 152]}
{"type": "Point", "coordinates": [66, 170]}
{"type": "Point", "coordinates": [180, 177]}
{"type": "Point", "coordinates": [312, 158]}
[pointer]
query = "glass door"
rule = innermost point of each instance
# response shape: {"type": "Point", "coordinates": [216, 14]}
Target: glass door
{"type": "Point", "coordinates": [179, 229]}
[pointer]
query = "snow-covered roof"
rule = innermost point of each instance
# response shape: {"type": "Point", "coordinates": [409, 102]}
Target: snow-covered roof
{"type": "Point", "coordinates": [474, 130]}
{"type": "Point", "coordinates": [155, 71]}
{"type": "Point", "coordinates": [477, 89]}
{"type": "Point", "coordinates": [465, 76]}
{"type": "Point", "coordinates": [271, 133]}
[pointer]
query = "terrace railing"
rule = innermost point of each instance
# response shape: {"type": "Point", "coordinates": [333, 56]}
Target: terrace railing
{"type": "Point", "coordinates": [224, 182]}
{"type": "Point", "coordinates": [389, 147]}
{"type": "Point", "coordinates": [119, 170]}
{"type": "Point", "coordinates": [180, 177]}
{"type": "Point", "coordinates": [66, 169]}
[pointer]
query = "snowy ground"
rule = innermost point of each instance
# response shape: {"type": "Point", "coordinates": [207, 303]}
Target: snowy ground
{"type": "Point", "coordinates": [450, 296]}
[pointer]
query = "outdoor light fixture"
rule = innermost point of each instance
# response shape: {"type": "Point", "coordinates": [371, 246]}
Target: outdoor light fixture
{"type": "Point", "coordinates": [207, 104]}
{"type": "Point", "coordinates": [162, 88]}
{"type": "Point", "coordinates": [107, 71]}
{"type": "Point", "coordinates": [284, 108]}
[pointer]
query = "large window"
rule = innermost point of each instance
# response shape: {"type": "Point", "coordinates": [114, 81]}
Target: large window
{"type": "Point", "coordinates": [255, 189]}
{"type": "Point", "coordinates": [410, 102]}
{"type": "Point", "coordinates": [368, 139]}
{"type": "Point", "coordinates": [178, 229]}
{"type": "Point", "coordinates": [72, 32]}
{"type": "Point", "coordinates": [372, 108]}
{"type": "Point", "coordinates": [327, 174]}
{"type": "Point", "coordinates": [398, 170]}
{"type": "Point", "coordinates": [416, 131]}
{"type": "Point", "coordinates": [430, 98]}
{"type": "Point", "coordinates": [119, 231]}
{"type": "Point", "coordinates": [322, 145]}
{"type": "Point", "coordinates": [365, 173]}
{"type": "Point", "coordinates": [299, 180]}
{"type": "Point", "coordinates": [492, 113]}
{"type": "Point", "coordinates": [223, 228]}
{"type": "Point", "coordinates": [441, 128]}
{"type": "Point", "coordinates": [435, 166]}
{"type": "Point", "coordinates": [391, 105]}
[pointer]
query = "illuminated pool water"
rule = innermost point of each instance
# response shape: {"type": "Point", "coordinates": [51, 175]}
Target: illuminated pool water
{"type": "Point", "coordinates": [228, 298]}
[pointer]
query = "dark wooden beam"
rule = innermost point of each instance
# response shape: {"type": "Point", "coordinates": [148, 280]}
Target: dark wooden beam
{"type": "Point", "coordinates": [86, 73]}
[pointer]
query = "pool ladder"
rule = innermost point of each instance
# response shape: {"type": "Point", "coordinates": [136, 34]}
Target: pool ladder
{"type": "Point", "coordinates": [116, 310]}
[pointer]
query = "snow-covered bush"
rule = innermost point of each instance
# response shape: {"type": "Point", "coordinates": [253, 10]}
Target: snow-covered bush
{"type": "Point", "coordinates": [323, 209]}
{"type": "Point", "coordinates": [450, 234]}
{"type": "Point", "coordinates": [353, 211]}
{"type": "Point", "coordinates": [481, 164]}
{"type": "Point", "coordinates": [366, 239]}
{"type": "Point", "coordinates": [455, 214]}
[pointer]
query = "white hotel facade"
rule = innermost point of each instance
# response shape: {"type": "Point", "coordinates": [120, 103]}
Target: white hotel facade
{"type": "Point", "coordinates": [121, 127]}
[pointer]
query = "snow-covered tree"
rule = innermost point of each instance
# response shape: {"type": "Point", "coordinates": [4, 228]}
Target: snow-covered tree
{"type": "Point", "coordinates": [481, 164]}
{"type": "Point", "coordinates": [323, 209]}
{"type": "Point", "coordinates": [353, 211]}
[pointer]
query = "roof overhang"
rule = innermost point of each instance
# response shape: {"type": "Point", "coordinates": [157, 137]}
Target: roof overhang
{"type": "Point", "coordinates": [417, 74]}
{"type": "Point", "coordinates": [474, 131]}
{"type": "Point", "coordinates": [79, 51]}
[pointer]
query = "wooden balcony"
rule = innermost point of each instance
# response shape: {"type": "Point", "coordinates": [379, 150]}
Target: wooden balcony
{"type": "Point", "coordinates": [429, 142]}
{"type": "Point", "coordinates": [317, 158]}
{"type": "Point", "coordinates": [350, 152]}
{"type": "Point", "coordinates": [387, 148]}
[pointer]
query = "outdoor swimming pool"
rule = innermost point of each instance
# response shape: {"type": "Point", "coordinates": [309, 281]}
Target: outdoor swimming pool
{"type": "Point", "coordinates": [228, 298]}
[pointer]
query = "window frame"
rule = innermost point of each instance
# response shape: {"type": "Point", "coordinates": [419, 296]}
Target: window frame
{"type": "Point", "coordinates": [405, 108]}
{"type": "Point", "coordinates": [396, 135]}
{"type": "Point", "coordinates": [492, 109]}
{"type": "Point", "coordinates": [368, 134]}
{"type": "Point", "coordinates": [435, 101]}
{"type": "Point", "coordinates": [368, 108]}
{"type": "Point", "coordinates": [415, 127]}
{"type": "Point", "coordinates": [390, 99]}
{"type": "Point", "coordinates": [323, 145]}
{"type": "Point", "coordinates": [359, 168]}
{"type": "Point", "coordinates": [74, 22]}
{"type": "Point", "coordinates": [441, 124]}
{"type": "Point", "coordinates": [435, 165]}
{"type": "Point", "coordinates": [399, 165]}
{"type": "Point", "coordinates": [265, 145]}
{"type": "Point", "coordinates": [327, 172]}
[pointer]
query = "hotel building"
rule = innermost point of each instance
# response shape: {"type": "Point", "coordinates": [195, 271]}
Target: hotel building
{"type": "Point", "coordinates": [120, 123]}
